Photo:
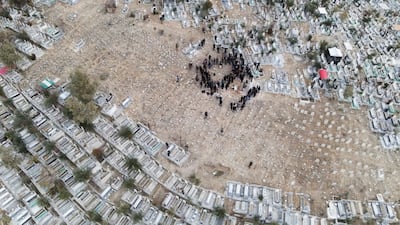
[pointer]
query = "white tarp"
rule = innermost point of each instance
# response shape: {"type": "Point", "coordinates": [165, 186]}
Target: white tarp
{"type": "Point", "coordinates": [335, 52]}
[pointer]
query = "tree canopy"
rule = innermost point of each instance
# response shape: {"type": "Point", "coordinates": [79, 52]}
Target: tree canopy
{"type": "Point", "coordinates": [98, 154]}
{"type": "Point", "coordinates": [289, 3]}
{"type": "Point", "coordinates": [44, 202]}
{"type": "Point", "coordinates": [311, 7]}
{"type": "Point", "coordinates": [82, 175]}
{"type": "Point", "coordinates": [323, 46]}
{"type": "Point", "coordinates": [81, 112]}
{"type": "Point", "coordinates": [81, 87]}
{"type": "Point", "coordinates": [8, 55]}
{"type": "Point", "coordinates": [60, 189]}
{"type": "Point", "coordinates": [49, 145]}
{"type": "Point", "coordinates": [4, 218]}
{"type": "Point", "coordinates": [17, 141]}
{"type": "Point", "coordinates": [219, 212]}
{"type": "Point", "coordinates": [125, 132]}
{"type": "Point", "coordinates": [94, 216]}
{"type": "Point", "coordinates": [124, 209]}
{"type": "Point", "coordinates": [9, 158]}
{"type": "Point", "coordinates": [23, 120]}
{"type": "Point", "coordinates": [348, 92]}
{"type": "Point", "coordinates": [133, 164]}
{"type": "Point", "coordinates": [4, 34]}
{"type": "Point", "coordinates": [129, 183]}
{"type": "Point", "coordinates": [193, 179]}
{"type": "Point", "coordinates": [205, 7]}
{"type": "Point", "coordinates": [19, 3]}
{"type": "Point", "coordinates": [51, 100]}
{"type": "Point", "coordinates": [137, 217]}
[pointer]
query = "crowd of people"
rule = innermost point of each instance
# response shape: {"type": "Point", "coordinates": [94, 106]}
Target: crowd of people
{"type": "Point", "coordinates": [252, 92]}
{"type": "Point", "coordinates": [240, 72]}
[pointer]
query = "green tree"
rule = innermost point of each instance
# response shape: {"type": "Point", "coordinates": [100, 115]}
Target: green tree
{"type": "Point", "coordinates": [137, 217]}
{"type": "Point", "coordinates": [343, 16]}
{"type": "Point", "coordinates": [60, 189]}
{"type": "Point", "coordinates": [23, 120]}
{"type": "Point", "coordinates": [23, 36]}
{"type": "Point", "coordinates": [125, 132]}
{"type": "Point", "coordinates": [272, 223]}
{"type": "Point", "coordinates": [81, 112]}
{"type": "Point", "coordinates": [5, 36]}
{"type": "Point", "coordinates": [98, 154]}
{"type": "Point", "coordinates": [9, 158]}
{"type": "Point", "coordinates": [4, 13]}
{"type": "Point", "coordinates": [348, 92]}
{"type": "Point", "coordinates": [17, 141]}
{"type": "Point", "coordinates": [366, 18]}
{"type": "Point", "coordinates": [51, 100]}
{"type": "Point", "coordinates": [81, 87]}
{"type": "Point", "coordinates": [133, 164]}
{"type": "Point", "coordinates": [219, 212]}
{"type": "Point", "coordinates": [218, 173]}
{"type": "Point", "coordinates": [44, 202]}
{"type": "Point", "coordinates": [64, 194]}
{"type": "Point", "coordinates": [49, 145]}
{"type": "Point", "coordinates": [289, 3]}
{"type": "Point", "coordinates": [8, 54]}
{"type": "Point", "coordinates": [371, 222]}
{"type": "Point", "coordinates": [82, 175]}
{"type": "Point", "coordinates": [312, 55]}
{"type": "Point", "coordinates": [193, 179]}
{"type": "Point", "coordinates": [62, 156]}
{"type": "Point", "coordinates": [2, 94]}
{"type": "Point", "coordinates": [88, 126]}
{"type": "Point", "coordinates": [328, 22]}
{"type": "Point", "coordinates": [94, 216]}
{"type": "Point", "coordinates": [8, 102]}
{"type": "Point", "coordinates": [317, 65]}
{"type": "Point", "coordinates": [124, 209]}
{"type": "Point", "coordinates": [19, 3]}
{"type": "Point", "coordinates": [256, 220]}
{"type": "Point", "coordinates": [4, 218]}
{"type": "Point", "coordinates": [205, 7]}
{"type": "Point", "coordinates": [323, 46]}
{"type": "Point", "coordinates": [324, 3]}
{"type": "Point", "coordinates": [311, 7]}
{"type": "Point", "coordinates": [292, 40]}
{"type": "Point", "coordinates": [129, 183]}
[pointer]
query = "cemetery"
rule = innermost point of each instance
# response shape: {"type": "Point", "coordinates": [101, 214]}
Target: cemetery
{"type": "Point", "coordinates": [206, 112]}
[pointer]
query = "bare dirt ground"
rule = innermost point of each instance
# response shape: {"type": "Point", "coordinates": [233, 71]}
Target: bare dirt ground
{"type": "Point", "coordinates": [321, 148]}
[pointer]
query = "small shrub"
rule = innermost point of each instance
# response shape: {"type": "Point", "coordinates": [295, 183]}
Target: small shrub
{"type": "Point", "coordinates": [133, 164]}
{"type": "Point", "coordinates": [129, 183]}
{"type": "Point", "coordinates": [104, 76]}
{"type": "Point", "coordinates": [94, 216]}
{"type": "Point", "coordinates": [292, 40]}
{"type": "Point", "coordinates": [82, 175]}
{"type": "Point", "coordinates": [137, 217]}
{"type": "Point", "coordinates": [193, 179]}
{"type": "Point", "coordinates": [125, 132]}
{"type": "Point", "coordinates": [218, 173]}
{"type": "Point", "coordinates": [348, 92]}
{"type": "Point", "coordinates": [219, 212]}
{"type": "Point", "coordinates": [98, 154]}
{"type": "Point", "coordinates": [51, 100]}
